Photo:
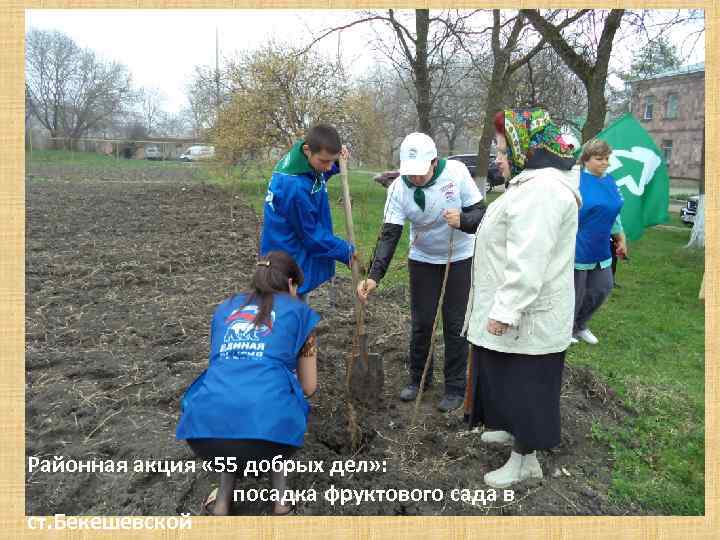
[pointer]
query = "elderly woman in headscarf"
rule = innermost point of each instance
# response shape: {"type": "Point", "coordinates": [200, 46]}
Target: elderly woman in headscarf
{"type": "Point", "coordinates": [519, 317]}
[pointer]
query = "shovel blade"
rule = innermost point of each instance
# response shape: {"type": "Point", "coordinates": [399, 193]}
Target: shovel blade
{"type": "Point", "coordinates": [367, 379]}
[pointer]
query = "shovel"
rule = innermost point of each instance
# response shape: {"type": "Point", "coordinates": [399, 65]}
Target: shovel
{"type": "Point", "coordinates": [365, 372]}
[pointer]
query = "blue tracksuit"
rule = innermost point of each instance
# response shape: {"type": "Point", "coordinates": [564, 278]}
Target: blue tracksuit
{"type": "Point", "coordinates": [297, 219]}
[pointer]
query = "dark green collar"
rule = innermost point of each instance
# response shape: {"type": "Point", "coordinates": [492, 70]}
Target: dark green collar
{"type": "Point", "coordinates": [296, 162]}
{"type": "Point", "coordinates": [419, 192]}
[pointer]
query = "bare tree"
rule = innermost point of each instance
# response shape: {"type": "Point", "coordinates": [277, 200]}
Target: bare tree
{"type": "Point", "coordinates": [503, 68]}
{"type": "Point", "coordinates": [174, 125]}
{"type": "Point", "coordinates": [70, 90]}
{"type": "Point", "coordinates": [456, 112]}
{"type": "Point", "coordinates": [151, 107]}
{"type": "Point", "coordinates": [509, 51]}
{"type": "Point", "coordinates": [652, 26]}
{"type": "Point", "coordinates": [656, 53]}
{"type": "Point", "coordinates": [391, 103]}
{"type": "Point", "coordinates": [426, 44]}
{"type": "Point", "coordinates": [135, 130]}
{"type": "Point", "coordinates": [429, 54]}
{"type": "Point", "coordinates": [586, 47]}
{"type": "Point", "coordinates": [586, 57]}
{"type": "Point", "coordinates": [201, 92]}
{"type": "Point", "coordinates": [548, 83]}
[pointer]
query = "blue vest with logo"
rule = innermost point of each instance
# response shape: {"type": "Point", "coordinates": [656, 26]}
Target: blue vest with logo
{"type": "Point", "coordinates": [250, 389]}
{"type": "Point", "coordinates": [601, 204]}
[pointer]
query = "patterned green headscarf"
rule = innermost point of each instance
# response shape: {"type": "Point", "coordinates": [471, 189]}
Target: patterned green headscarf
{"type": "Point", "coordinates": [527, 129]}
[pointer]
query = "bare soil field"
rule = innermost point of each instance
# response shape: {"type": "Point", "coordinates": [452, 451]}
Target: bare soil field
{"type": "Point", "coordinates": [122, 276]}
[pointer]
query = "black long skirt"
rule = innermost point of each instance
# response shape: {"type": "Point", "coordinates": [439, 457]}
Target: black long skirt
{"type": "Point", "coordinates": [518, 393]}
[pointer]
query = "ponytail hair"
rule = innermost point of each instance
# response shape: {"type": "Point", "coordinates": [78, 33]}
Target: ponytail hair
{"type": "Point", "coordinates": [271, 276]}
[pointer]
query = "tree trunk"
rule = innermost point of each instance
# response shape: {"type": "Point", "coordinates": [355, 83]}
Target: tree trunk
{"type": "Point", "coordinates": [28, 146]}
{"type": "Point", "coordinates": [55, 144]}
{"type": "Point", "coordinates": [486, 139]}
{"type": "Point", "coordinates": [593, 76]}
{"type": "Point", "coordinates": [702, 165]}
{"type": "Point", "coordinates": [452, 138]}
{"type": "Point", "coordinates": [697, 236]}
{"type": "Point", "coordinates": [502, 70]}
{"type": "Point", "coordinates": [492, 106]}
{"type": "Point", "coordinates": [533, 93]}
{"type": "Point", "coordinates": [597, 108]}
{"type": "Point", "coordinates": [422, 77]}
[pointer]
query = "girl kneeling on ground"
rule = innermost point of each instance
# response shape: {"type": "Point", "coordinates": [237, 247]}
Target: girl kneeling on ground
{"type": "Point", "coordinates": [250, 403]}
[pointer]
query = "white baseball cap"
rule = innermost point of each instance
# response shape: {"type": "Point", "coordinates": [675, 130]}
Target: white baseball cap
{"type": "Point", "coordinates": [416, 152]}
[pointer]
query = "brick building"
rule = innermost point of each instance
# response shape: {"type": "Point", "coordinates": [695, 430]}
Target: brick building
{"type": "Point", "coordinates": [671, 107]}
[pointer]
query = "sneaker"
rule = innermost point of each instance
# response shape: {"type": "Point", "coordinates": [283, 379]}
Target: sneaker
{"type": "Point", "coordinates": [497, 437]}
{"type": "Point", "coordinates": [410, 392]}
{"type": "Point", "coordinates": [450, 403]}
{"type": "Point", "coordinates": [573, 340]}
{"type": "Point", "coordinates": [587, 336]}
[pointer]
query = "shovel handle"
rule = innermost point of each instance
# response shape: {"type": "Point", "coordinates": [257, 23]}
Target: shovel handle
{"type": "Point", "coordinates": [354, 264]}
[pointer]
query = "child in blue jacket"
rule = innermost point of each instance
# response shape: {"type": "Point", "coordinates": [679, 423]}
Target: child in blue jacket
{"type": "Point", "coordinates": [250, 404]}
{"type": "Point", "coordinates": [296, 215]}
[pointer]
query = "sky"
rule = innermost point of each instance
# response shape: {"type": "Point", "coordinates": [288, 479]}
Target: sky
{"type": "Point", "coordinates": [161, 47]}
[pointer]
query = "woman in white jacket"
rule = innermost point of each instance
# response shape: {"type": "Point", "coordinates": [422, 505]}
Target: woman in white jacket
{"type": "Point", "coordinates": [520, 311]}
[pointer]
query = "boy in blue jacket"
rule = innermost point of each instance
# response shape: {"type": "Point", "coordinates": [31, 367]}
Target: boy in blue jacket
{"type": "Point", "coordinates": [296, 213]}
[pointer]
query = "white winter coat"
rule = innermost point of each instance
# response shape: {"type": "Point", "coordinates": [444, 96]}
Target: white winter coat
{"type": "Point", "coordinates": [523, 265]}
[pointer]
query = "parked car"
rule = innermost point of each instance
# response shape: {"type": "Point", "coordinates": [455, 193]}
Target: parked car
{"type": "Point", "coordinates": [687, 214]}
{"type": "Point", "coordinates": [153, 152]}
{"type": "Point", "coordinates": [198, 153]}
{"type": "Point", "coordinates": [494, 178]}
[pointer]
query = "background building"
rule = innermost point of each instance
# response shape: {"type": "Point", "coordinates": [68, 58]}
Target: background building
{"type": "Point", "coordinates": [671, 107]}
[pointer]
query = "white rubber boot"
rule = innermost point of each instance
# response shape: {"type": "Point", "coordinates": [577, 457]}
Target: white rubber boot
{"type": "Point", "coordinates": [508, 474]}
{"type": "Point", "coordinates": [530, 467]}
{"type": "Point", "coordinates": [516, 469]}
{"type": "Point", "coordinates": [497, 437]}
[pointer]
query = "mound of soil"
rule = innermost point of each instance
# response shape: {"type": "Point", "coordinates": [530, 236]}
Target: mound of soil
{"type": "Point", "coordinates": [121, 280]}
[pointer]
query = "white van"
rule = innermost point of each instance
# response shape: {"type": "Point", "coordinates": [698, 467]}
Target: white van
{"type": "Point", "coordinates": [198, 153]}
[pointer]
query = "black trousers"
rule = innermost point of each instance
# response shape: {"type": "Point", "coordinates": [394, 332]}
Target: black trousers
{"type": "Point", "coordinates": [425, 285]}
{"type": "Point", "coordinates": [243, 450]}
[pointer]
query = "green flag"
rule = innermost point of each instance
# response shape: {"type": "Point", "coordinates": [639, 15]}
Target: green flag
{"type": "Point", "coordinates": [641, 174]}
